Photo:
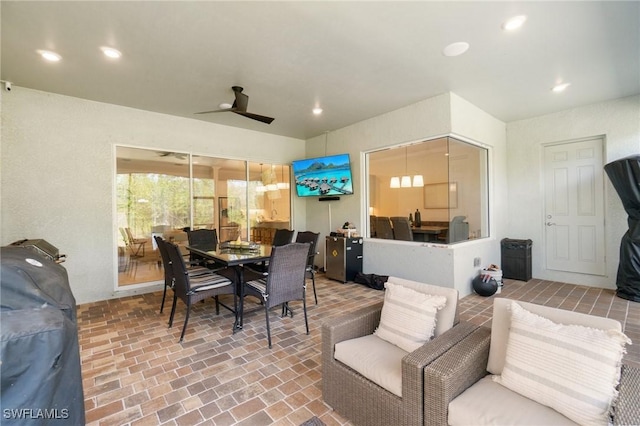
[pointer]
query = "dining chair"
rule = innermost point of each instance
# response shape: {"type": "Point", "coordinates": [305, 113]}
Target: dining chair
{"type": "Point", "coordinates": [206, 239]}
{"type": "Point", "coordinates": [192, 288]}
{"type": "Point", "coordinates": [280, 238]}
{"type": "Point", "coordinates": [128, 263]}
{"type": "Point", "coordinates": [372, 226]}
{"type": "Point", "coordinates": [312, 239]}
{"type": "Point", "coordinates": [383, 228]}
{"type": "Point", "coordinates": [284, 282]}
{"type": "Point", "coordinates": [283, 237]}
{"type": "Point", "coordinates": [458, 230]}
{"type": "Point", "coordinates": [168, 270]}
{"type": "Point", "coordinates": [133, 242]}
{"type": "Point", "coordinates": [401, 228]}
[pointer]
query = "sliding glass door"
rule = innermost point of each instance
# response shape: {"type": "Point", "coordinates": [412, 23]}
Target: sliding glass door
{"type": "Point", "coordinates": [164, 193]}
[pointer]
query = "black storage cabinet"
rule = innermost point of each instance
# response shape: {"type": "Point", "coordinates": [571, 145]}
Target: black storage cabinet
{"type": "Point", "coordinates": [343, 257]}
{"type": "Point", "coordinates": [516, 259]}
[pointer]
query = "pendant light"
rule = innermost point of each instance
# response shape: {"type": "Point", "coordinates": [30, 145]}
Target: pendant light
{"type": "Point", "coordinates": [405, 181]}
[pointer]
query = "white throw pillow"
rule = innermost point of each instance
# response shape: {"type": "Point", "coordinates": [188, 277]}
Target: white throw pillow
{"type": "Point", "coordinates": [570, 368]}
{"type": "Point", "coordinates": [408, 317]}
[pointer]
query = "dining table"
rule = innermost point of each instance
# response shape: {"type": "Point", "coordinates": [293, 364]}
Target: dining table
{"type": "Point", "coordinates": [236, 257]}
{"type": "Point", "coordinates": [427, 233]}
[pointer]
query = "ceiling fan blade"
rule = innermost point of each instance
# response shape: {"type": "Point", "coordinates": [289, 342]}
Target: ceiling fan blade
{"type": "Point", "coordinates": [217, 110]}
{"type": "Point", "coordinates": [261, 118]}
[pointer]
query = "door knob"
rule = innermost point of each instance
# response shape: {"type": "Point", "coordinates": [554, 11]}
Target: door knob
{"type": "Point", "coordinates": [550, 223]}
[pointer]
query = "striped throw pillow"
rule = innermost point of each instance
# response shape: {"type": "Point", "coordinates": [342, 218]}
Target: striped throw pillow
{"type": "Point", "coordinates": [408, 317]}
{"type": "Point", "coordinates": [570, 368]}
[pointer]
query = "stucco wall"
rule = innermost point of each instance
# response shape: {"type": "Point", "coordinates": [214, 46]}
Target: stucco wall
{"type": "Point", "coordinates": [58, 164]}
{"type": "Point", "coordinates": [619, 122]}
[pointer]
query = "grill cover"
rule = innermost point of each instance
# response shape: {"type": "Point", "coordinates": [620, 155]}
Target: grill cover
{"type": "Point", "coordinates": [625, 177]}
{"type": "Point", "coordinates": [40, 374]}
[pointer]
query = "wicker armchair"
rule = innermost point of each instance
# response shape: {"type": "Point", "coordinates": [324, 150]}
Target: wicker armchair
{"type": "Point", "coordinates": [467, 363]}
{"type": "Point", "coordinates": [360, 400]}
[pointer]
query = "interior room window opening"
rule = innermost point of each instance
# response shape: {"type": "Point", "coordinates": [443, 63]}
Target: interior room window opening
{"type": "Point", "coordinates": [428, 191]}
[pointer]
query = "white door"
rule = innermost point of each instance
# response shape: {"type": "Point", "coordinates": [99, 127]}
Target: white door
{"type": "Point", "coordinates": [574, 207]}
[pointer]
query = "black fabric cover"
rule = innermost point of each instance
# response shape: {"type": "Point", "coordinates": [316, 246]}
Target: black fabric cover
{"type": "Point", "coordinates": [41, 382]}
{"type": "Point", "coordinates": [625, 177]}
{"type": "Point", "coordinates": [371, 280]}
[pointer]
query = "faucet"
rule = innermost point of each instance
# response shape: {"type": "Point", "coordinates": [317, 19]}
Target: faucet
{"type": "Point", "coordinates": [274, 213]}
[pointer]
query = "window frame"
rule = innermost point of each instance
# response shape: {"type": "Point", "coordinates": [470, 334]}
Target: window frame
{"type": "Point", "coordinates": [481, 228]}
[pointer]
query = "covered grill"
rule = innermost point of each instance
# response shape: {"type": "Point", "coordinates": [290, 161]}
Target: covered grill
{"type": "Point", "coordinates": [625, 177]}
{"type": "Point", "coordinates": [40, 374]}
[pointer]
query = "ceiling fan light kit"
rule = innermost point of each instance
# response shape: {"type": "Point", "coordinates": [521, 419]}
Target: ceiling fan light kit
{"type": "Point", "coordinates": [240, 107]}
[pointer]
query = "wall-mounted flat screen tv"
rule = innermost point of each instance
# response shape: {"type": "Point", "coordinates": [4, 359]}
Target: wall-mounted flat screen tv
{"type": "Point", "coordinates": [323, 176]}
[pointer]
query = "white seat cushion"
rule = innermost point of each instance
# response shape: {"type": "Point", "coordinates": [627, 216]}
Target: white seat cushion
{"type": "Point", "coordinates": [489, 403]}
{"type": "Point", "coordinates": [375, 359]}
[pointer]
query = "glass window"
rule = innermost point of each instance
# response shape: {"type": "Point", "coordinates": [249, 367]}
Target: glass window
{"type": "Point", "coordinates": [162, 193]}
{"type": "Point", "coordinates": [439, 186]}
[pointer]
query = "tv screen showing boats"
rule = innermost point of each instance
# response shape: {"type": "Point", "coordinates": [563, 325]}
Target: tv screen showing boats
{"type": "Point", "coordinates": [323, 176]}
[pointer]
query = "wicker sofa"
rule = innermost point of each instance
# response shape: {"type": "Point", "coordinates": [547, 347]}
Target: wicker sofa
{"type": "Point", "coordinates": [364, 402]}
{"type": "Point", "coordinates": [463, 390]}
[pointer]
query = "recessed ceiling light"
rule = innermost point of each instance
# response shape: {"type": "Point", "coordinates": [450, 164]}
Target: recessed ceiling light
{"type": "Point", "coordinates": [317, 111]}
{"type": "Point", "coordinates": [514, 23]}
{"type": "Point", "coordinates": [49, 55]}
{"type": "Point", "coordinates": [455, 49]}
{"type": "Point", "coordinates": [225, 105]}
{"type": "Point", "coordinates": [110, 52]}
{"type": "Point", "coordinates": [560, 87]}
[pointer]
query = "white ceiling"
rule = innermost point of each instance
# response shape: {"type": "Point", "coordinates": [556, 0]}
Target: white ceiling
{"type": "Point", "coordinates": [354, 59]}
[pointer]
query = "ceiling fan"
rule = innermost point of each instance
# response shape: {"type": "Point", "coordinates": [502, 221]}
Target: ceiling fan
{"type": "Point", "coordinates": [178, 155]}
{"type": "Point", "coordinates": [240, 107]}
